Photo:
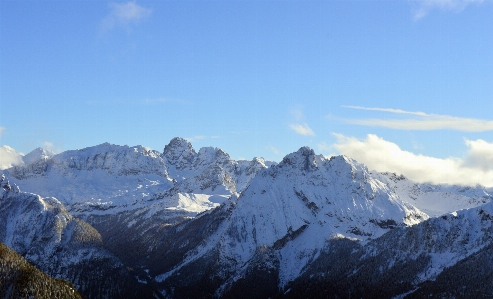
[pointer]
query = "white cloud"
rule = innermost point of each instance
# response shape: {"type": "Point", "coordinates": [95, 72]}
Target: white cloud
{"type": "Point", "coordinates": [48, 145]}
{"type": "Point", "coordinates": [1, 131]}
{"type": "Point", "coordinates": [480, 154]}
{"type": "Point", "coordinates": [51, 147]}
{"type": "Point", "coordinates": [298, 127]}
{"type": "Point", "coordinates": [391, 110]}
{"type": "Point", "coordinates": [123, 15]}
{"type": "Point", "coordinates": [381, 155]}
{"type": "Point", "coordinates": [423, 7]}
{"type": "Point", "coordinates": [9, 157]}
{"type": "Point", "coordinates": [424, 121]}
{"type": "Point", "coordinates": [326, 149]}
{"type": "Point", "coordinates": [274, 150]}
{"type": "Point", "coordinates": [302, 129]}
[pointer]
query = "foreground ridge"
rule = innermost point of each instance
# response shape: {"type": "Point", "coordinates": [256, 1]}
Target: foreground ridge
{"type": "Point", "coordinates": [20, 279]}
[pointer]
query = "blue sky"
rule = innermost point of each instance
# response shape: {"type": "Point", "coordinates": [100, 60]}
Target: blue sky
{"type": "Point", "coordinates": [256, 78]}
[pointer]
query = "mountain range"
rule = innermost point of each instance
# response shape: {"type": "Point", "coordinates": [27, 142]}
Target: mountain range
{"type": "Point", "coordinates": [120, 221]}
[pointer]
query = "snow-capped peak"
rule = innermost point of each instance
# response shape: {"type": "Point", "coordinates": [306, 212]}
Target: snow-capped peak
{"type": "Point", "coordinates": [304, 159]}
{"type": "Point", "coordinates": [179, 152]}
{"type": "Point", "coordinates": [38, 154]}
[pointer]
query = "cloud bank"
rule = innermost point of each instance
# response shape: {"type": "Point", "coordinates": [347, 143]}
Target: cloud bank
{"type": "Point", "coordinates": [123, 15]}
{"type": "Point", "coordinates": [9, 157]}
{"type": "Point", "coordinates": [422, 121]}
{"type": "Point", "coordinates": [381, 155]}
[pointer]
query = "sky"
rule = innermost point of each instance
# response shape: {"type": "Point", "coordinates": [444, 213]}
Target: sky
{"type": "Point", "coordinates": [401, 85]}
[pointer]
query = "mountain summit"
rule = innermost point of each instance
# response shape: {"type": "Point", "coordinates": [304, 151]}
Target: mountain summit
{"type": "Point", "coordinates": [179, 153]}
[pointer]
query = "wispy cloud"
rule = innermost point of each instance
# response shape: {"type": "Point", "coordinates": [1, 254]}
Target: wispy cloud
{"type": "Point", "coordinates": [48, 145]}
{"type": "Point", "coordinates": [391, 110]}
{"type": "Point", "coordinates": [273, 149]}
{"type": "Point", "coordinates": [123, 15]}
{"type": "Point", "coordinates": [423, 7]}
{"type": "Point", "coordinates": [2, 129]}
{"type": "Point", "coordinates": [326, 149]}
{"type": "Point", "coordinates": [298, 126]}
{"type": "Point", "coordinates": [302, 129]}
{"type": "Point", "coordinates": [423, 121]}
{"type": "Point", "coordinates": [381, 155]}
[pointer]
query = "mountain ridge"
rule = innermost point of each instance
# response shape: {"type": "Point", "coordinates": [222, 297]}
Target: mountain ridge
{"type": "Point", "coordinates": [200, 224]}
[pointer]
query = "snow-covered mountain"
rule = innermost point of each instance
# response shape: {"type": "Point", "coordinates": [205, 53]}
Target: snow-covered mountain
{"type": "Point", "coordinates": [9, 157]}
{"type": "Point", "coordinates": [200, 224]}
{"type": "Point", "coordinates": [436, 200]}
{"type": "Point", "coordinates": [38, 154]}
{"type": "Point", "coordinates": [47, 235]}
{"type": "Point", "coordinates": [293, 208]}
{"type": "Point", "coordinates": [431, 259]}
{"type": "Point", "coordinates": [107, 179]}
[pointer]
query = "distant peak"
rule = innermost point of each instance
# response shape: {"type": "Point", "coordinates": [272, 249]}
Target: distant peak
{"type": "Point", "coordinates": [306, 151]}
{"type": "Point", "coordinates": [220, 154]}
{"type": "Point", "coordinates": [304, 158]}
{"type": "Point", "coordinates": [178, 142]}
{"type": "Point", "coordinates": [179, 148]}
{"type": "Point", "coordinates": [42, 151]}
{"type": "Point", "coordinates": [258, 160]}
{"type": "Point", "coordinates": [213, 153]}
